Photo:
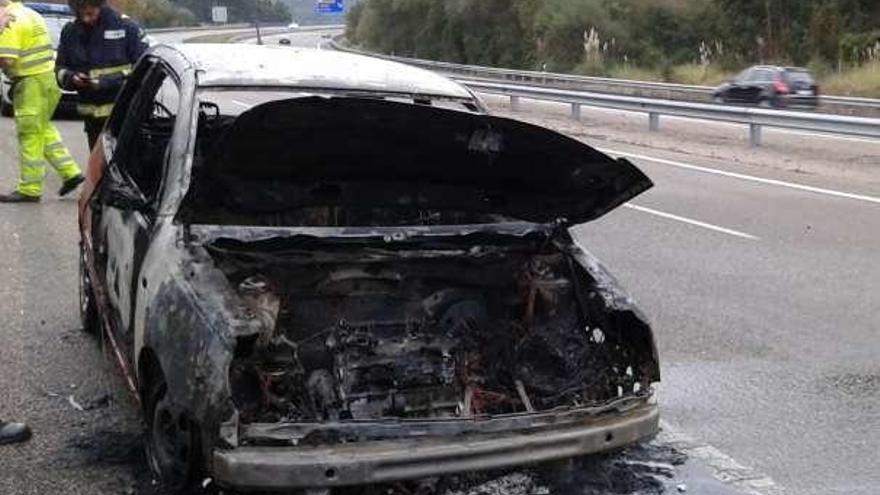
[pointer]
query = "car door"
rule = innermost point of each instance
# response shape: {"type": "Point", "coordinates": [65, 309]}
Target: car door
{"type": "Point", "coordinates": [736, 92]}
{"type": "Point", "coordinates": [760, 86]}
{"type": "Point", "coordinates": [130, 193]}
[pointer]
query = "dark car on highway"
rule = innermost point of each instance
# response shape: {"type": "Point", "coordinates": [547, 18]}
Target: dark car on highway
{"type": "Point", "coordinates": [771, 86]}
{"type": "Point", "coordinates": [319, 270]}
{"type": "Point", "coordinates": [56, 16]}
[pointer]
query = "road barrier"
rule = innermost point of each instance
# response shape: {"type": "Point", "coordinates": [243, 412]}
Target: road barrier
{"type": "Point", "coordinates": [538, 86]}
{"type": "Point", "coordinates": [755, 118]}
{"type": "Point", "coordinates": [625, 87]}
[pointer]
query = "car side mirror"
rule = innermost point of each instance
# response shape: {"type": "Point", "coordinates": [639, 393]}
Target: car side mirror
{"type": "Point", "coordinates": [119, 191]}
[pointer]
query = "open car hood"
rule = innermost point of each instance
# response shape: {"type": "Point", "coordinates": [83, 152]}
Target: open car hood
{"type": "Point", "coordinates": [357, 152]}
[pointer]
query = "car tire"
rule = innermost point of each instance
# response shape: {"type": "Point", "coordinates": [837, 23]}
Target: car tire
{"type": "Point", "coordinates": [719, 100]}
{"type": "Point", "coordinates": [88, 309]}
{"type": "Point", "coordinates": [172, 441]}
{"type": "Point", "coordinates": [765, 103]}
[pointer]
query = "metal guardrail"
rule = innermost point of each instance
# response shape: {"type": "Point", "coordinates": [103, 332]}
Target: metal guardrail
{"type": "Point", "coordinates": [755, 118]}
{"type": "Point", "coordinates": [852, 101]}
{"type": "Point", "coordinates": [198, 28]}
{"type": "Point", "coordinates": [548, 78]}
{"type": "Point", "coordinates": [534, 85]}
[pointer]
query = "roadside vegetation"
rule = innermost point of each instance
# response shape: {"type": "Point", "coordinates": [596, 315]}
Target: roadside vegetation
{"type": "Point", "coordinates": [167, 13]}
{"type": "Point", "coordinates": [683, 41]}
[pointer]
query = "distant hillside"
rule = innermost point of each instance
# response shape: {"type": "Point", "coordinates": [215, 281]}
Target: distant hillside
{"type": "Point", "coordinates": [303, 11]}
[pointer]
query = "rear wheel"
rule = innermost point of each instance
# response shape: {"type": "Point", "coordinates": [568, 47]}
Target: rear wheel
{"type": "Point", "coordinates": [765, 103]}
{"type": "Point", "coordinates": [172, 441]}
{"type": "Point", "coordinates": [88, 310]}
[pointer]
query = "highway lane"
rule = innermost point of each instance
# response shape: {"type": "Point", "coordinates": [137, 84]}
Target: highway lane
{"type": "Point", "coordinates": [768, 344]}
{"type": "Point", "coordinates": [302, 39]}
{"type": "Point", "coordinates": [47, 365]}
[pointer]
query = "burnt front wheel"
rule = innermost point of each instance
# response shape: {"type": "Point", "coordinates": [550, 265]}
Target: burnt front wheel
{"type": "Point", "coordinates": [172, 442]}
{"type": "Point", "coordinates": [88, 310]}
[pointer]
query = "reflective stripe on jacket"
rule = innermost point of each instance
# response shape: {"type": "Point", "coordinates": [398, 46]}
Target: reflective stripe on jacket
{"type": "Point", "coordinates": [95, 111]}
{"type": "Point", "coordinates": [26, 40]}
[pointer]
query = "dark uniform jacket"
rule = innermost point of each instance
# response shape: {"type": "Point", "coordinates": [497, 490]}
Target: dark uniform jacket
{"type": "Point", "coordinates": [105, 52]}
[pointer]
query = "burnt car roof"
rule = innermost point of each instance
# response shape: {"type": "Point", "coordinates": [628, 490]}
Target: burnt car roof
{"type": "Point", "coordinates": [271, 66]}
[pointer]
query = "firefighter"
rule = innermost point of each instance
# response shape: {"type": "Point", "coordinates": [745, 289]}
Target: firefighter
{"type": "Point", "coordinates": [95, 56]}
{"type": "Point", "coordinates": [27, 58]}
{"type": "Point", "coordinates": [13, 432]}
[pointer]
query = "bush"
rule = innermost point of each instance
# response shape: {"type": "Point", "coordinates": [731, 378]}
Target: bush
{"type": "Point", "coordinates": [156, 13]}
{"type": "Point", "coordinates": [856, 48]}
{"type": "Point", "coordinates": [673, 38]}
{"type": "Point", "coordinates": [634, 73]}
{"type": "Point", "coordinates": [705, 75]}
{"type": "Point", "coordinates": [861, 81]}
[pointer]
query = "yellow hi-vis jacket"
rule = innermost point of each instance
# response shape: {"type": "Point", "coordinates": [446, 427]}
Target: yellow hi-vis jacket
{"type": "Point", "coordinates": [26, 40]}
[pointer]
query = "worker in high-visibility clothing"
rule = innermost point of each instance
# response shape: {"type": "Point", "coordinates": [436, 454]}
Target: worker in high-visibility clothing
{"type": "Point", "coordinates": [27, 58]}
{"type": "Point", "coordinates": [95, 56]}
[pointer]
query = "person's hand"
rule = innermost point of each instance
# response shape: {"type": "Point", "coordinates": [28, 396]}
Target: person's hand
{"type": "Point", "coordinates": [5, 18]}
{"type": "Point", "coordinates": [82, 81]}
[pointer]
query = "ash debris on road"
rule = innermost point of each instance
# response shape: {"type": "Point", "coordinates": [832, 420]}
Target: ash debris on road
{"type": "Point", "coordinates": [649, 469]}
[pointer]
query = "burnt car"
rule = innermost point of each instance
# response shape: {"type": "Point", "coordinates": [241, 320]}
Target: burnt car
{"type": "Point", "coordinates": [319, 270]}
{"type": "Point", "coordinates": [771, 86]}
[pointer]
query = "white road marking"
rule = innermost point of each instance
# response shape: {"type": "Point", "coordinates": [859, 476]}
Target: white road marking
{"type": "Point", "coordinates": [752, 178]}
{"type": "Point", "coordinates": [723, 467]}
{"type": "Point", "coordinates": [242, 104]}
{"type": "Point", "coordinates": [690, 221]}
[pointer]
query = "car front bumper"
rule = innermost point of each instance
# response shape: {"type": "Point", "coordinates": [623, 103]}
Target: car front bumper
{"type": "Point", "coordinates": [547, 437]}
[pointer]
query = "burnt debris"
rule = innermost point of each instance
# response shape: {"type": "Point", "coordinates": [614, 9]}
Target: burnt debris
{"type": "Point", "coordinates": [403, 333]}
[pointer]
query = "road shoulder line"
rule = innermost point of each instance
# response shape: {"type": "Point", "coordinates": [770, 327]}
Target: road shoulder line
{"type": "Point", "coordinates": [690, 221]}
{"type": "Point", "coordinates": [752, 178]}
{"type": "Point", "coordinates": [723, 467]}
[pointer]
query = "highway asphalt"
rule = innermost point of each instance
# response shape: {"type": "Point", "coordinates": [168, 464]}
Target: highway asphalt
{"type": "Point", "coordinates": [762, 283]}
{"type": "Point", "coordinates": [760, 276]}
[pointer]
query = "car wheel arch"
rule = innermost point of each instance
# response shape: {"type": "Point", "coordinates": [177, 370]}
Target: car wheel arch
{"type": "Point", "coordinates": [155, 396]}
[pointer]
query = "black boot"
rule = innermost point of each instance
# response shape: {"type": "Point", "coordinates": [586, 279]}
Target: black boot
{"type": "Point", "coordinates": [70, 184]}
{"type": "Point", "coordinates": [17, 197]}
{"type": "Point", "coordinates": [13, 433]}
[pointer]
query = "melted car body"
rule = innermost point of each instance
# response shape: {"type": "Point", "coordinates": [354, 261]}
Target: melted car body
{"type": "Point", "coordinates": [352, 282]}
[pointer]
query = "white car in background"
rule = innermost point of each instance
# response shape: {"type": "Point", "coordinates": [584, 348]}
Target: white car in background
{"type": "Point", "coordinates": [57, 16]}
{"type": "Point", "coordinates": [293, 26]}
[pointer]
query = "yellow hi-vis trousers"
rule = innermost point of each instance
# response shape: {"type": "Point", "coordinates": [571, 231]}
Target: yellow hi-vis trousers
{"type": "Point", "coordinates": [34, 100]}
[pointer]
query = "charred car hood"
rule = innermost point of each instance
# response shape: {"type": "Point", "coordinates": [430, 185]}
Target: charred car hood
{"type": "Point", "coordinates": [365, 152]}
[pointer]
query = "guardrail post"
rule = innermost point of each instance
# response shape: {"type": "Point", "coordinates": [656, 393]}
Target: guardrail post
{"type": "Point", "coordinates": [653, 122]}
{"type": "Point", "coordinates": [576, 111]}
{"type": "Point", "coordinates": [754, 135]}
{"type": "Point", "coordinates": [514, 103]}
